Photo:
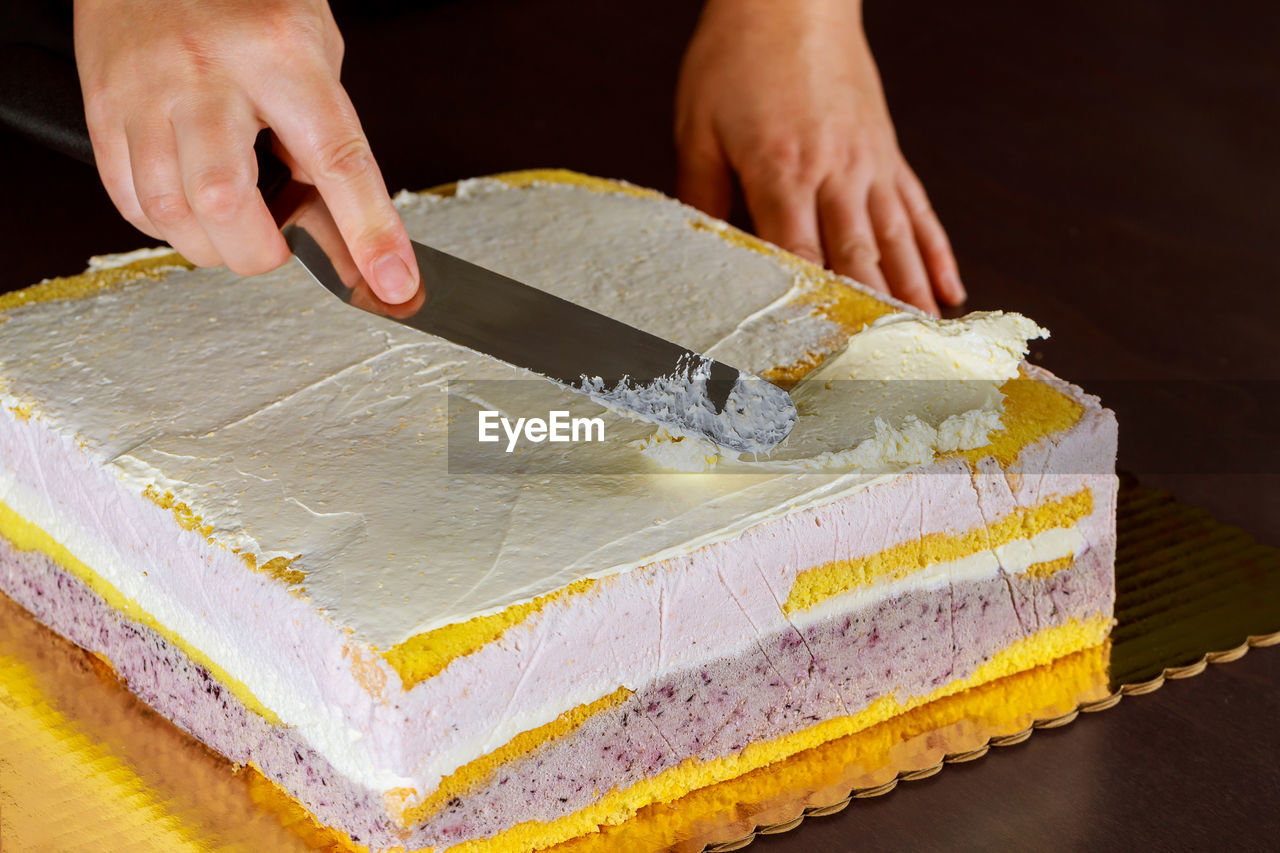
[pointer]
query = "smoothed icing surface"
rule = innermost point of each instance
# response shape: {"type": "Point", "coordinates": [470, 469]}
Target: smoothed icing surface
{"type": "Point", "coordinates": [295, 427]}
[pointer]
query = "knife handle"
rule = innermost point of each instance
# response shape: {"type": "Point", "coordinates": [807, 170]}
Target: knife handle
{"type": "Point", "coordinates": [40, 97]}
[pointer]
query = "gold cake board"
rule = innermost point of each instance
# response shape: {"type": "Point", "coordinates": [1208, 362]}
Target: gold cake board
{"type": "Point", "coordinates": [86, 765]}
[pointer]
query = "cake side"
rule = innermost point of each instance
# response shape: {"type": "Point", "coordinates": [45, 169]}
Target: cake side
{"type": "Point", "coordinates": [248, 626]}
{"type": "Point", "coordinates": [73, 683]}
{"type": "Point", "coordinates": [413, 750]}
{"type": "Point", "coordinates": [1054, 578]}
{"type": "Point", "coordinates": [585, 612]}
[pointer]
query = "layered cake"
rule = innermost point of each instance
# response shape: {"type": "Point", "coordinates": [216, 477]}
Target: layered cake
{"type": "Point", "coordinates": [62, 710]}
{"type": "Point", "coordinates": [271, 514]}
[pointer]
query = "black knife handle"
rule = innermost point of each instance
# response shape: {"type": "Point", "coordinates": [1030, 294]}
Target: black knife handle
{"type": "Point", "coordinates": [40, 98]}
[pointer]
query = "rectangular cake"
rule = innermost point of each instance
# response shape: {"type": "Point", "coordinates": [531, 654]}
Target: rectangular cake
{"type": "Point", "coordinates": [270, 513]}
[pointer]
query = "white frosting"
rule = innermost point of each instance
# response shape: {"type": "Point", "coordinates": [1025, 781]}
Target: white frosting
{"type": "Point", "coordinates": [296, 426]}
{"type": "Point", "coordinates": [899, 392]}
{"type": "Point", "coordinates": [911, 386]}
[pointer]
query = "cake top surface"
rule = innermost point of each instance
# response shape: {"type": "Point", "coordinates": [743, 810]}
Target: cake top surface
{"type": "Point", "coordinates": [295, 427]}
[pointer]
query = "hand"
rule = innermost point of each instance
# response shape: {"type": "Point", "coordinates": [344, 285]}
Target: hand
{"type": "Point", "coordinates": [176, 91]}
{"type": "Point", "coordinates": [786, 94]}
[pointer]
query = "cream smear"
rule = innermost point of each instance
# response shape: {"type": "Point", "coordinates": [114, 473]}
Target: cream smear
{"type": "Point", "coordinates": [900, 391]}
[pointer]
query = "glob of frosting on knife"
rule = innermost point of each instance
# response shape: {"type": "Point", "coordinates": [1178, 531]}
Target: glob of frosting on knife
{"type": "Point", "coordinates": [901, 391]}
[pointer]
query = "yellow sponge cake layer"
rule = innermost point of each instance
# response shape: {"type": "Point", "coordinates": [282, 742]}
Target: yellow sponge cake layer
{"type": "Point", "coordinates": [831, 579]}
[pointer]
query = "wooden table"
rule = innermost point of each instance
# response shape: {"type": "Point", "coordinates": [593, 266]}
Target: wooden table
{"type": "Point", "coordinates": [1109, 169]}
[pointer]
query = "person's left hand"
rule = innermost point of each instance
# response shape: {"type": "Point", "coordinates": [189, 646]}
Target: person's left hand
{"type": "Point", "coordinates": [786, 94]}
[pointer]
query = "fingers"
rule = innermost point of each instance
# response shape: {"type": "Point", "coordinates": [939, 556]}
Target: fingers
{"type": "Point", "coordinates": [932, 240]}
{"type": "Point", "coordinates": [157, 183]}
{"type": "Point", "coordinates": [899, 256]}
{"type": "Point", "coordinates": [315, 218]}
{"type": "Point", "coordinates": [218, 181]}
{"type": "Point", "coordinates": [848, 239]}
{"type": "Point", "coordinates": [702, 177]}
{"type": "Point", "coordinates": [888, 238]}
{"type": "Point", "coordinates": [316, 122]}
{"type": "Point", "coordinates": [111, 153]}
{"type": "Point", "coordinates": [858, 226]}
{"type": "Point", "coordinates": [785, 213]}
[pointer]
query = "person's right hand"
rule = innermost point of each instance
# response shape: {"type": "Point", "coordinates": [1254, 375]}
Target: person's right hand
{"type": "Point", "coordinates": [175, 93]}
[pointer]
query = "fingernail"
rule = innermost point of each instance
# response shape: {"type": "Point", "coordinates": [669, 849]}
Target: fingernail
{"type": "Point", "coordinates": [394, 279]}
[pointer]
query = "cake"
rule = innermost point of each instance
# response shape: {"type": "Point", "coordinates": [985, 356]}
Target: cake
{"type": "Point", "coordinates": [261, 507]}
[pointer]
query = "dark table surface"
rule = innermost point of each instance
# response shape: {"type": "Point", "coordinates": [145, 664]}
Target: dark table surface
{"type": "Point", "coordinates": [1108, 168]}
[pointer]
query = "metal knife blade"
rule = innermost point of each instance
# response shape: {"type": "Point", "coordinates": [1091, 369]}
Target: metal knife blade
{"type": "Point", "coordinates": [613, 363]}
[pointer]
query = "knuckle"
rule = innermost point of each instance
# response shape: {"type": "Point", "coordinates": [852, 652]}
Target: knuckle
{"type": "Point", "coordinates": [699, 154]}
{"type": "Point", "coordinates": [336, 48]}
{"type": "Point", "coordinates": [98, 108]}
{"type": "Point", "coordinates": [784, 152]}
{"type": "Point", "coordinates": [895, 232]}
{"type": "Point", "coordinates": [860, 174]}
{"type": "Point", "coordinates": [791, 159]}
{"type": "Point", "coordinates": [290, 30]}
{"type": "Point", "coordinates": [165, 209]}
{"type": "Point", "coordinates": [374, 244]}
{"type": "Point", "coordinates": [346, 159]}
{"type": "Point", "coordinates": [191, 52]}
{"type": "Point", "coordinates": [856, 252]}
{"type": "Point", "coordinates": [219, 194]}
